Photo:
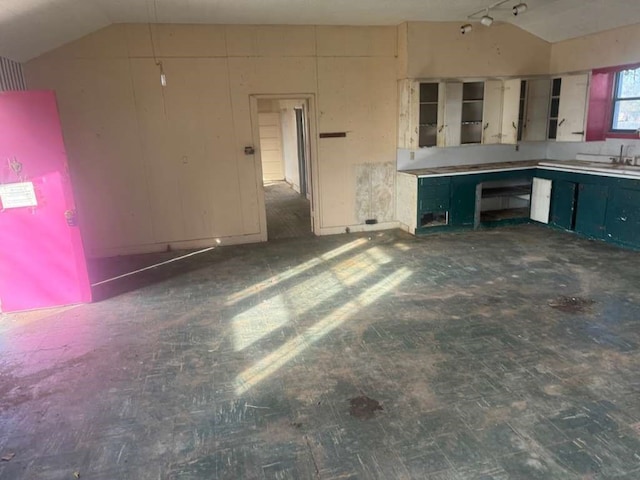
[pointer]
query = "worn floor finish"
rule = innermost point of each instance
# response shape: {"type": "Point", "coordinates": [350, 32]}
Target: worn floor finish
{"type": "Point", "coordinates": [245, 363]}
{"type": "Point", "coordinates": [288, 212]}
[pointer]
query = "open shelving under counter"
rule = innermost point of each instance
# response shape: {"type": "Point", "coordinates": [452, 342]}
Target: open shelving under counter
{"type": "Point", "coordinates": [503, 200]}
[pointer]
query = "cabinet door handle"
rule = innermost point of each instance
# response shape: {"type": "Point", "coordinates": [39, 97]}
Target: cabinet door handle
{"type": "Point", "coordinates": [578, 133]}
{"type": "Point", "coordinates": [486, 125]}
{"type": "Point", "coordinates": [441, 128]}
{"type": "Point", "coordinates": [561, 121]}
{"type": "Point", "coordinates": [513, 124]}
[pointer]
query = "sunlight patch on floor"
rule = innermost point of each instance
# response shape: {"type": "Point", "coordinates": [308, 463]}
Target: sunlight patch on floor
{"type": "Point", "coordinates": [280, 357]}
{"type": "Point", "coordinates": [266, 317]}
{"type": "Point", "coordinates": [257, 322]}
{"type": "Point", "coordinates": [303, 267]}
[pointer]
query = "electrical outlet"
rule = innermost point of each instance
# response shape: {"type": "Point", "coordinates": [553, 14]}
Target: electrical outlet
{"type": "Point", "coordinates": [412, 155]}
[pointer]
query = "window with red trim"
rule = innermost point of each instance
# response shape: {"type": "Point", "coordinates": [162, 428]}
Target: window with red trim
{"type": "Point", "coordinates": [626, 101]}
{"type": "Point", "coordinates": [614, 103]}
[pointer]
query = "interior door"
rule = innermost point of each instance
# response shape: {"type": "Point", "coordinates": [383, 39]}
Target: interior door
{"type": "Point", "coordinates": [302, 150]}
{"type": "Point", "coordinates": [271, 146]}
{"type": "Point", "coordinates": [42, 262]}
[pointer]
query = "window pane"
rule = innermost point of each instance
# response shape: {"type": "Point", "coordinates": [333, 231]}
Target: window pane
{"type": "Point", "coordinates": [553, 129]}
{"type": "Point", "coordinates": [555, 107]}
{"type": "Point", "coordinates": [428, 114]}
{"type": "Point", "coordinates": [626, 115]}
{"type": "Point", "coordinates": [428, 92]}
{"type": "Point", "coordinates": [629, 84]}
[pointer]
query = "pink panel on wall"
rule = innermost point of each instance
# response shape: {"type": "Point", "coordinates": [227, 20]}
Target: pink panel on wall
{"type": "Point", "coordinates": [599, 118]}
{"type": "Point", "coordinates": [42, 262]}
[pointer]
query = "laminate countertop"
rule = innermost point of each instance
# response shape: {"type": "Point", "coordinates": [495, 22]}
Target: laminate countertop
{"type": "Point", "coordinates": [472, 169]}
{"type": "Point", "coordinates": [576, 166]}
{"type": "Point", "coordinates": [594, 168]}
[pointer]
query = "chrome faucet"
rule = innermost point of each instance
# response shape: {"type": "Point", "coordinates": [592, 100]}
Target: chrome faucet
{"type": "Point", "coordinates": [619, 160]}
{"type": "Point", "coordinates": [622, 160]}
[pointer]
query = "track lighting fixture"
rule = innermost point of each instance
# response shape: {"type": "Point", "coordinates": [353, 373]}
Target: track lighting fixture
{"type": "Point", "coordinates": [486, 20]}
{"type": "Point", "coordinates": [519, 8]}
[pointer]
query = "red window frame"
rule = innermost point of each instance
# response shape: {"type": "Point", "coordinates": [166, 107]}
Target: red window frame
{"type": "Point", "coordinates": [600, 111]}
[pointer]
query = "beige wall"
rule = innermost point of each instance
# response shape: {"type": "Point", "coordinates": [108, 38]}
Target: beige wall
{"type": "Point", "coordinates": [154, 166]}
{"type": "Point", "coordinates": [402, 66]}
{"type": "Point", "coordinates": [605, 49]}
{"type": "Point", "coordinates": [438, 50]}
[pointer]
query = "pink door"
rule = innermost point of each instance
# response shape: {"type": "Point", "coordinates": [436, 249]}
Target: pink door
{"type": "Point", "coordinates": [42, 262]}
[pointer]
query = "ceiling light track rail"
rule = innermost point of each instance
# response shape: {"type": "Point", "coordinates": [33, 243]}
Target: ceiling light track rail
{"type": "Point", "coordinates": [486, 19]}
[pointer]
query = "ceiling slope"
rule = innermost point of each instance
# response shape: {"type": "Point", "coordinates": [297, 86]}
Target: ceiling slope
{"type": "Point", "coordinates": [29, 28]}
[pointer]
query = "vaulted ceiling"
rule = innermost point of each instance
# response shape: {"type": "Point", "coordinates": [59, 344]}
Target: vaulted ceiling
{"type": "Point", "coordinates": [29, 28]}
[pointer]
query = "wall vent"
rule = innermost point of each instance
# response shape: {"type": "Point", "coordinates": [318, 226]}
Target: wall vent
{"type": "Point", "coordinates": [11, 76]}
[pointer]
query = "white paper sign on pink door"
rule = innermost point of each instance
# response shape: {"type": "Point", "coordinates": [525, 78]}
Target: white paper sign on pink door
{"type": "Point", "coordinates": [18, 195]}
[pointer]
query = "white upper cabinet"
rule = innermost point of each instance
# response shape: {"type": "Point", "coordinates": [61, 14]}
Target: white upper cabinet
{"type": "Point", "coordinates": [536, 113]}
{"type": "Point", "coordinates": [572, 108]}
{"type": "Point", "coordinates": [449, 131]}
{"type": "Point", "coordinates": [472, 112]}
{"type": "Point", "coordinates": [493, 111]}
{"type": "Point", "coordinates": [492, 117]}
{"type": "Point", "coordinates": [408, 108]}
{"type": "Point", "coordinates": [511, 111]}
{"type": "Point", "coordinates": [430, 114]}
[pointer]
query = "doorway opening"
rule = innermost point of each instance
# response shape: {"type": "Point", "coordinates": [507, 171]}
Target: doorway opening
{"type": "Point", "coordinates": [285, 155]}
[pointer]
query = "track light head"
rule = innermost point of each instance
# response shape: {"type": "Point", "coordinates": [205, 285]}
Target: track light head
{"type": "Point", "coordinates": [486, 20]}
{"type": "Point", "coordinates": [519, 8]}
{"type": "Point", "coordinates": [466, 28]}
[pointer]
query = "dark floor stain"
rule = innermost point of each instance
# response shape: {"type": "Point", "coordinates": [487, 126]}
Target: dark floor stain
{"type": "Point", "coordinates": [572, 304]}
{"type": "Point", "coordinates": [364, 407]}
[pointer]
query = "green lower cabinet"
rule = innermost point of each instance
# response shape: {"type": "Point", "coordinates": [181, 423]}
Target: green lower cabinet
{"type": "Point", "coordinates": [434, 200]}
{"type": "Point", "coordinates": [592, 210]}
{"type": "Point", "coordinates": [463, 201]}
{"type": "Point", "coordinates": [623, 217]}
{"type": "Point", "coordinates": [604, 207]}
{"type": "Point", "coordinates": [596, 206]}
{"type": "Point", "coordinates": [563, 204]}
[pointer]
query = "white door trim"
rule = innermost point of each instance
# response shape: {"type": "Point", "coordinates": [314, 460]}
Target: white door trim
{"type": "Point", "coordinates": [313, 156]}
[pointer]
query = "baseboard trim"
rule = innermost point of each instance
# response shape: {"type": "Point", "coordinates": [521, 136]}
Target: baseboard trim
{"type": "Point", "coordinates": [359, 228]}
{"type": "Point", "coordinates": [181, 245]}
